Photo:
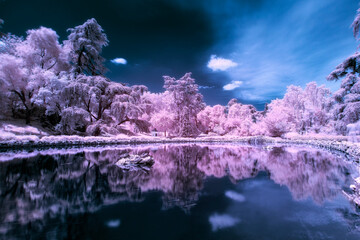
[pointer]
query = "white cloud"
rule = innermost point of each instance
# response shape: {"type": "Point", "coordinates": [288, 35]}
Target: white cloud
{"type": "Point", "coordinates": [2, 44]}
{"type": "Point", "coordinates": [113, 223]}
{"type": "Point", "coordinates": [235, 196]}
{"type": "Point", "coordinates": [255, 96]}
{"type": "Point", "coordinates": [222, 221]}
{"type": "Point", "coordinates": [232, 85]}
{"type": "Point", "coordinates": [205, 87]}
{"type": "Point", "coordinates": [119, 61]}
{"type": "Point", "coordinates": [220, 64]}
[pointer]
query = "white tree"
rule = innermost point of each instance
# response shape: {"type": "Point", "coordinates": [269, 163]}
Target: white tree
{"type": "Point", "coordinates": [49, 97]}
{"type": "Point", "coordinates": [8, 43]}
{"type": "Point", "coordinates": [347, 98]}
{"type": "Point", "coordinates": [86, 42]}
{"type": "Point", "coordinates": [105, 102]}
{"type": "Point", "coordinates": [41, 48]}
{"type": "Point", "coordinates": [30, 66]}
{"type": "Point", "coordinates": [14, 79]}
{"type": "Point", "coordinates": [129, 107]}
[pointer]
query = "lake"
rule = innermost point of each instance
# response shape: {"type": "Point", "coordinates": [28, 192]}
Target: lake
{"type": "Point", "coordinates": [193, 191]}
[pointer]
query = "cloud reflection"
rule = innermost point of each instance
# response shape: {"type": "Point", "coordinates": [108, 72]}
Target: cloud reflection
{"type": "Point", "coordinates": [222, 221]}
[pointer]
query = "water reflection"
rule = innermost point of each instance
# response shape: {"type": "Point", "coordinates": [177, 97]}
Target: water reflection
{"type": "Point", "coordinates": [37, 190]}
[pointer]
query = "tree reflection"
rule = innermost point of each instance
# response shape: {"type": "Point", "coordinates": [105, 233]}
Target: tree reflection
{"type": "Point", "coordinates": [42, 188]}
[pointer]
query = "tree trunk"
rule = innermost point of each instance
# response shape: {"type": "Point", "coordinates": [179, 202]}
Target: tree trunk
{"type": "Point", "coordinates": [99, 115]}
{"type": "Point", "coordinates": [22, 95]}
{"type": "Point", "coordinates": [27, 116]}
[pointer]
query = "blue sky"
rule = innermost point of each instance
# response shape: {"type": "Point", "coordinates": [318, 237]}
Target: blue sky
{"type": "Point", "coordinates": [280, 42]}
{"type": "Point", "coordinates": [248, 49]}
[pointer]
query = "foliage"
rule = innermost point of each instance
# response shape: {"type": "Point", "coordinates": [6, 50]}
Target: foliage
{"type": "Point", "coordinates": [187, 103]}
{"type": "Point", "coordinates": [86, 42]}
{"type": "Point", "coordinates": [347, 99]}
{"type": "Point", "coordinates": [212, 119]}
{"type": "Point", "coordinates": [63, 86]}
{"type": "Point", "coordinates": [301, 110]}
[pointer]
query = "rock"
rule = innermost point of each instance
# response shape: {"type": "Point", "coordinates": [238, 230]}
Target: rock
{"type": "Point", "coordinates": [144, 155]}
{"type": "Point", "coordinates": [355, 195]}
{"type": "Point", "coordinates": [124, 155]}
{"type": "Point", "coordinates": [135, 162]}
{"type": "Point", "coordinates": [148, 160]}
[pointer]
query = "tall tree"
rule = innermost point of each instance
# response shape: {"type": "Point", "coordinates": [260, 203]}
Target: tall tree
{"type": "Point", "coordinates": [188, 102]}
{"type": "Point", "coordinates": [347, 98]}
{"type": "Point", "coordinates": [86, 42]}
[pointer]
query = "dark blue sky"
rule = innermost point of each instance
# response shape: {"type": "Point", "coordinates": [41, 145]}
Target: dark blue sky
{"type": "Point", "coordinates": [258, 46]}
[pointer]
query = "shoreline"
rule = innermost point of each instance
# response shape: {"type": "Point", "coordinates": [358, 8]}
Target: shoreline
{"type": "Point", "coordinates": [346, 147]}
{"type": "Point", "coordinates": [350, 151]}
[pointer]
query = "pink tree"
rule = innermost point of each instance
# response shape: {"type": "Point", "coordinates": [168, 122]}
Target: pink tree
{"type": "Point", "coordinates": [317, 100]}
{"type": "Point", "coordinates": [277, 118]}
{"type": "Point", "coordinates": [156, 102]}
{"type": "Point", "coordinates": [158, 111]}
{"type": "Point", "coordinates": [240, 118]}
{"type": "Point", "coordinates": [186, 105]}
{"type": "Point", "coordinates": [163, 121]}
{"type": "Point", "coordinates": [301, 110]}
{"type": "Point", "coordinates": [307, 108]}
{"type": "Point", "coordinates": [212, 119]}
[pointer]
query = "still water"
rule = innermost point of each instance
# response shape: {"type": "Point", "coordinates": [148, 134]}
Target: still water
{"type": "Point", "coordinates": [191, 192]}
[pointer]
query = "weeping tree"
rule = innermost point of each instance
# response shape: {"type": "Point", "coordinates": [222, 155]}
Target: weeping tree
{"type": "Point", "coordinates": [28, 65]}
